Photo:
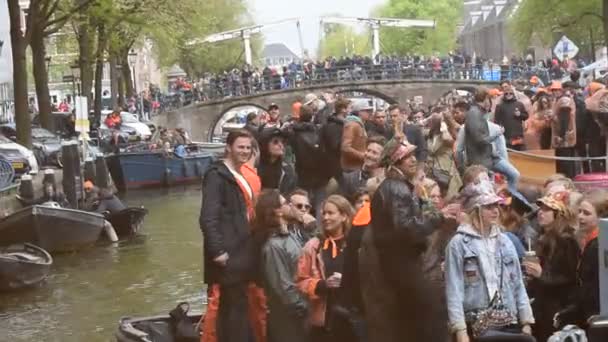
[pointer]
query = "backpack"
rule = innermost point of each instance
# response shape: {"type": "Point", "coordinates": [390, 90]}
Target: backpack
{"type": "Point", "coordinates": [308, 149]}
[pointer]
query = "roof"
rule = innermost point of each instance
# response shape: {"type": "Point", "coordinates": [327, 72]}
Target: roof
{"type": "Point", "coordinates": [278, 50]}
{"type": "Point", "coordinates": [492, 17]}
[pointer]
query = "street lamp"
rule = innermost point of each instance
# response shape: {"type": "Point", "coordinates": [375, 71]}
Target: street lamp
{"type": "Point", "coordinates": [75, 76]}
{"type": "Point", "coordinates": [132, 61]}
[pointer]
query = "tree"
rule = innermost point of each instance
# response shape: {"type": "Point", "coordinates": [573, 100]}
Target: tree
{"type": "Point", "coordinates": [547, 19]}
{"type": "Point", "coordinates": [342, 40]}
{"type": "Point", "coordinates": [47, 17]}
{"type": "Point", "coordinates": [20, 39]}
{"type": "Point", "coordinates": [198, 19]}
{"type": "Point", "coordinates": [446, 13]}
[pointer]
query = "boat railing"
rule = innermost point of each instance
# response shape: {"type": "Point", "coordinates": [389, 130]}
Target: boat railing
{"type": "Point", "coordinates": [536, 165]}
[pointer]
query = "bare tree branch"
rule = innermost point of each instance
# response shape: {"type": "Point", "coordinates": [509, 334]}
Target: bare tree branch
{"type": "Point", "coordinates": [62, 19]}
{"type": "Point", "coordinates": [49, 12]}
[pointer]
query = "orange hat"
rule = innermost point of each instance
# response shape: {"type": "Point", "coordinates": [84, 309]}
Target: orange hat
{"type": "Point", "coordinates": [594, 87]}
{"type": "Point", "coordinates": [534, 80]}
{"type": "Point", "coordinates": [556, 85]}
{"type": "Point", "coordinates": [494, 92]}
{"type": "Point", "coordinates": [88, 185]}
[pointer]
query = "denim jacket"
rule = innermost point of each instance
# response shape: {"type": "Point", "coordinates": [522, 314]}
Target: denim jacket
{"type": "Point", "coordinates": [466, 286]}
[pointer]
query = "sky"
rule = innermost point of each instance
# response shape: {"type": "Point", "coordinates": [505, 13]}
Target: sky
{"type": "Point", "coordinates": [268, 11]}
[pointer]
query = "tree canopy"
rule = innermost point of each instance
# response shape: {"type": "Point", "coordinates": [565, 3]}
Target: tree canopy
{"type": "Point", "coordinates": [341, 40]}
{"type": "Point", "coordinates": [547, 20]}
{"type": "Point", "coordinates": [442, 39]}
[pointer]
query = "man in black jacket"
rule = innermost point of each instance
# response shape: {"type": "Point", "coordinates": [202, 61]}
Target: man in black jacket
{"type": "Point", "coordinates": [230, 255]}
{"type": "Point", "coordinates": [478, 141]}
{"type": "Point", "coordinates": [305, 143]}
{"type": "Point", "coordinates": [511, 114]}
{"type": "Point", "coordinates": [404, 306]}
{"type": "Point", "coordinates": [331, 138]}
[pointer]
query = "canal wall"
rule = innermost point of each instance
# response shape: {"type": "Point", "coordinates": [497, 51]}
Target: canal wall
{"type": "Point", "coordinates": [8, 196]}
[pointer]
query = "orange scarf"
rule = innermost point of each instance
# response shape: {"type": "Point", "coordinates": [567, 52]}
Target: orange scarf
{"type": "Point", "coordinates": [592, 235]}
{"type": "Point", "coordinates": [334, 247]}
{"type": "Point", "coordinates": [252, 179]}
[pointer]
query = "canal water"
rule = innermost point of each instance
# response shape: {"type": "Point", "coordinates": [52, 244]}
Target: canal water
{"type": "Point", "coordinates": [87, 292]}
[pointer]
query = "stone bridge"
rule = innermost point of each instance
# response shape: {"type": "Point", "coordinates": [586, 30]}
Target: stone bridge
{"type": "Point", "coordinates": [201, 118]}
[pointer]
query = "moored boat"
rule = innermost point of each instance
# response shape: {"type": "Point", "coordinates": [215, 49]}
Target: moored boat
{"type": "Point", "coordinates": [54, 229]}
{"type": "Point", "coordinates": [127, 222]}
{"type": "Point", "coordinates": [163, 328]}
{"type": "Point", "coordinates": [132, 170]}
{"type": "Point", "coordinates": [535, 166]}
{"type": "Point", "coordinates": [23, 265]}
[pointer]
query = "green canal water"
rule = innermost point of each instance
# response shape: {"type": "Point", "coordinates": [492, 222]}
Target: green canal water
{"type": "Point", "coordinates": [89, 291]}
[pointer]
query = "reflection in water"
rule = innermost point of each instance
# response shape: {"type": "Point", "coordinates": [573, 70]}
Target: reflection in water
{"type": "Point", "coordinates": [88, 292]}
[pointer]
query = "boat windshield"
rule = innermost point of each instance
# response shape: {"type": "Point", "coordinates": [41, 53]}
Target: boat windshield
{"type": "Point", "coordinates": [41, 133]}
{"type": "Point", "coordinates": [128, 118]}
{"type": "Point", "coordinates": [4, 140]}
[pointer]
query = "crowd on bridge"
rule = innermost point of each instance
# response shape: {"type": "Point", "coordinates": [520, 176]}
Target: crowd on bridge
{"type": "Point", "coordinates": [250, 80]}
{"type": "Point", "coordinates": [349, 223]}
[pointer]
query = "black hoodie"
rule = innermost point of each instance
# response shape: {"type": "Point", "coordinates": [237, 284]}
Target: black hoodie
{"type": "Point", "coordinates": [331, 141]}
{"type": "Point", "coordinates": [310, 158]}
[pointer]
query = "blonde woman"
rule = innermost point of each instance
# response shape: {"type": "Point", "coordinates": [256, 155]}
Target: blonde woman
{"type": "Point", "coordinates": [320, 269]}
{"type": "Point", "coordinates": [482, 265]}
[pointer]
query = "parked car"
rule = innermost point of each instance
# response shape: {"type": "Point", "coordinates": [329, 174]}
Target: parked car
{"type": "Point", "coordinates": [61, 124]}
{"type": "Point", "coordinates": [130, 120]}
{"type": "Point", "coordinates": [45, 145]}
{"type": "Point", "coordinates": [20, 157]}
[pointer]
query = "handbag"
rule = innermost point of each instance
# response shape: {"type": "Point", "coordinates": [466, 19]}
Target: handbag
{"type": "Point", "coordinates": [496, 316]}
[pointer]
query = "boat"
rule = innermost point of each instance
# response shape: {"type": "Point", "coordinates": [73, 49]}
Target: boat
{"type": "Point", "coordinates": [23, 265]}
{"type": "Point", "coordinates": [160, 328]}
{"type": "Point", "coordinates": [52, 228]}
{"type": "Point", "coordinates": [156, 168]}
{"type": "Point", "coordinates": [127, 222]}
{"type": "Point", "coordinates": [535, 166]}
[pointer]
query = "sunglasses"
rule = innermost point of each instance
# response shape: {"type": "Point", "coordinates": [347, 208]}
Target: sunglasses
{"type": "Point", "coordinates": [301, 206]}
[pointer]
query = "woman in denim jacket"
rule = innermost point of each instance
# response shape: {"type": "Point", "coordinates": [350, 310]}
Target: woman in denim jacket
{"type": "Point", "coordinates": [475, 259]}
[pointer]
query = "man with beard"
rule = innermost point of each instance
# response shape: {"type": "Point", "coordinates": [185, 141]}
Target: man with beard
{"type": "Point", "coordinates": [354, 181]}
{"type": "Point", "coordinates": [378, 125]}
{"type": "Point", "coordinates": [229, 250]}
{"type": "Point", "coordinates": [400, 305]}
{"type": "Point", "coordinates": [511, 114]}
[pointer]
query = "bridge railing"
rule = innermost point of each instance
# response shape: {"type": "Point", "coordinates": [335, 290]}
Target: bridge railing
{"type": "Point", "coordinates": [234, 85]}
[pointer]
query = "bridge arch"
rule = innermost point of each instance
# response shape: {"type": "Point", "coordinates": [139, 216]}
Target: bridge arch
{"type": "Point", "coordinates": [202, 118]}
{"type": "Point", "coordinates": [370, 92]}
{"type": "Point", "coordinates": [218, 118]}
